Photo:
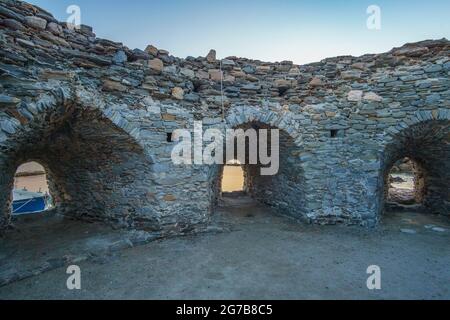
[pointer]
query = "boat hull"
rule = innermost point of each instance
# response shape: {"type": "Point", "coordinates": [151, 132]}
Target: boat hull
{"type": "Point", "coordinates": [29, 206]}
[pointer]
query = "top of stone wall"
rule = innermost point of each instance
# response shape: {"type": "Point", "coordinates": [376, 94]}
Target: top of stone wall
{"type": "Point", "coordinates": [36, 47]}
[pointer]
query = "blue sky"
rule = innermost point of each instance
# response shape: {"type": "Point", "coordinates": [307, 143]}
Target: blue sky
{"type": "Point", "coordinates": [270, 30]}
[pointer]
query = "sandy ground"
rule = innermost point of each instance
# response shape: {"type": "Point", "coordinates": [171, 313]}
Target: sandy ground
{"type": "Point", "coordinates": [266, 256]}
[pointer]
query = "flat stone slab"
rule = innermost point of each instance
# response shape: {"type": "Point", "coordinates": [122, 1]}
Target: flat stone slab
{"type": "Point", "coordinates": [408, 231]}
{"type": "Point", "coordinates": [438, 229]}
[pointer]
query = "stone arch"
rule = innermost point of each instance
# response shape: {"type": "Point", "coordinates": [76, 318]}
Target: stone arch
{"type": "Point", "coordinates": [282, 120]}
{"type": "Point", "coordinates": [424, 138]}
{"type": "Point", "coordinates": [94, 159]}
{"type": "Point", "coordinates": [285, 190]}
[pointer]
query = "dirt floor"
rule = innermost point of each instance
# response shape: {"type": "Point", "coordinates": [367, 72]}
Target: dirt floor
{"type": "Point", "coordinates": [254, 254]}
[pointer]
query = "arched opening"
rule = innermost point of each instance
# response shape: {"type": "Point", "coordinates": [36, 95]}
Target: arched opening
{"type": "Point", "coordinates": [94, 169]}
{"type": "Point", "coordinates": [31, 192]}
{"type": "Point", "coordinates": [283, 189]}
{"type": "Point", "coordinates": [405, 183]}
{"type": "Point", "coordinates": [96, 172]}
{"type": "Point", "coordinates": [232, 177]}
{"type": "Point", "coordinates": [421, 154]}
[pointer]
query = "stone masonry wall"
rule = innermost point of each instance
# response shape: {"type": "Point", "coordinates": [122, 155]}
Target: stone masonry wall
{"type": "Point", "coordinates": [285, 190]}
{"type": "Point", "coordinates": [97, 114]}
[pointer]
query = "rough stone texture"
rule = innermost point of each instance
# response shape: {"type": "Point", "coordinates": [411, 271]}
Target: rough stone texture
{"type": "Point", "coordinates": [97, 115]}
{"type": "Point", "coordinates": [211, 57]}
{"type": "Point", "coordinates": [156, 65]}
{"type": "Point", "coordinates": [36, 22]}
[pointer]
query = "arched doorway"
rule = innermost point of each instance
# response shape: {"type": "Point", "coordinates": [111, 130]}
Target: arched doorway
{"type": "Point", "coordinates": [94, 168]}
{"type": "Point", "coordinates": [282, 190]}
{"type": "Point", "coordinates": [423, 149]}
{"type": "Point", "coordinates": [233, 177]}
{"type": "Point", "coordinates": [31, 192]}
{"type": "Point", "coordinates": [405, 183]}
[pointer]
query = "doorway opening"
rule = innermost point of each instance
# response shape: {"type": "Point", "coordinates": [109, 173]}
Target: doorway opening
{"type": "Point", "coordinates": [31, 194]}
{"type": "Point", "coordinates": [233, 177]}
{"type": "Point", "coordinates": [282, 190]}
{"type": "Point", "coordinates": [405, 183]}
{"type": "Point", "coordinates": [416, 169]}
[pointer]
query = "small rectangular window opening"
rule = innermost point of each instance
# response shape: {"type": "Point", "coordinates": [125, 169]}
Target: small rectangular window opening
{"type": "Point", "coordinates": [334, 133]}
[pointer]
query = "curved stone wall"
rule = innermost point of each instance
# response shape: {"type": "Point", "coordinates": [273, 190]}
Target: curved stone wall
{"type": "Point", "coordinates": [425, 138]}
{"type": "Point", "coordinates": [344, 115]}
{"type": "Point", "coordinates": [96, 170]}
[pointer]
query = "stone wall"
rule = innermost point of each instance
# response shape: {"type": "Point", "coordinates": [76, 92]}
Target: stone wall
{"type": "Point", "coordinates": [98, 115]}
{"type": "Point", "coordinates": [285, 190]}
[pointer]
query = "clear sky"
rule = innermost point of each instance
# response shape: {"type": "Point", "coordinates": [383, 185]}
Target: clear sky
{"type": "Point", "coordinates": [270, 30]}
